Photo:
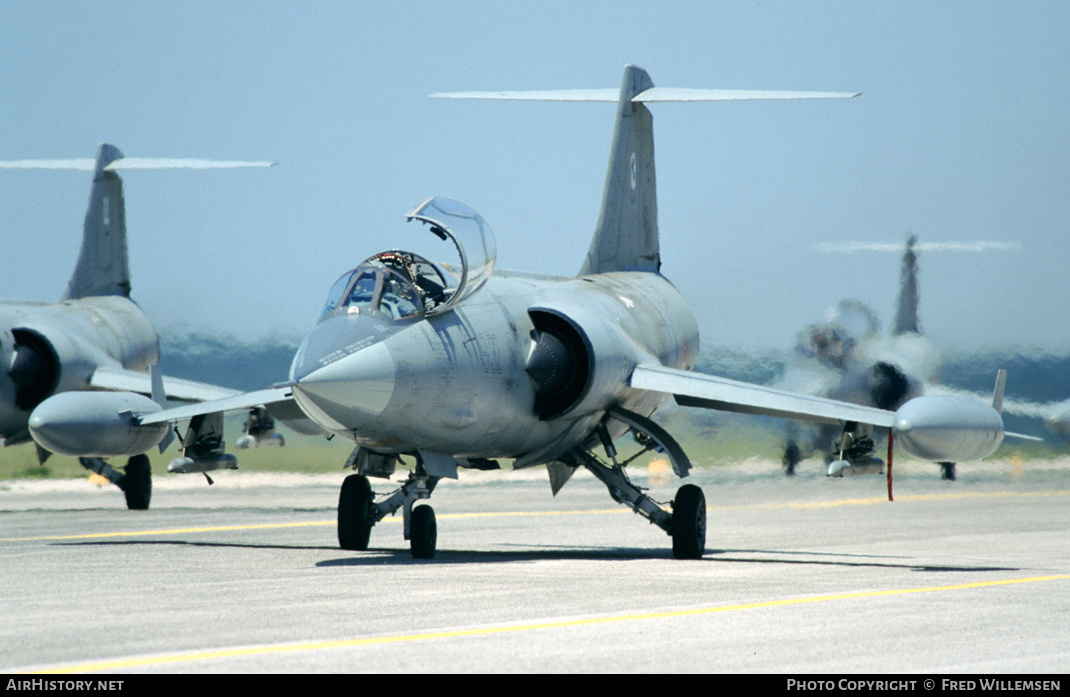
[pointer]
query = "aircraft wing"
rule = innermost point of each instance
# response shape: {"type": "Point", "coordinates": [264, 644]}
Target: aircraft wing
{"type": "Point", "coordinates": [711, 392]}
{"type": "Point", "coordinates": [260, 398]}
{"type": "Point", "coordinates": [120, 380]}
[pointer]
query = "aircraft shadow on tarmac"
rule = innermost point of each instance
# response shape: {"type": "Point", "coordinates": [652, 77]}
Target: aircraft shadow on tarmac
{"type": "Point", "coordinates": [402, 556]}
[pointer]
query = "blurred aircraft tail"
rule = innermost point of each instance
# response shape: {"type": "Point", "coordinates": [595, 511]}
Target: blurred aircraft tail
{"type": "Point", "coordinates": [906, 311]}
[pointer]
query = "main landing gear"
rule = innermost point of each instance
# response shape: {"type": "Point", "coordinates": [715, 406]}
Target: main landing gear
{"type": "Point", "coordinates": [358, 512]}
{"type": "Point", "coordinates": [135, 481]}
{"type": "Point", "coordinates": [684, 520]}
{"type": "Point", "coordinates": [686, 523]}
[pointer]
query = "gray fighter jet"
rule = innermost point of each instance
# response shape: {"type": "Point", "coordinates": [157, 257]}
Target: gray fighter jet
{"type": "Point", "coordinates": [95, 338]}
{"type": "Point", "coordinates": [455, 364]}
{"type": "Point", "coordinates": [846, 357]}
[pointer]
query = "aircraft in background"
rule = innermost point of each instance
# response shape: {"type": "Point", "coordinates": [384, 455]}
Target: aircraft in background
{"type": "Point", "coordinates": [1058, 419]}
{"type": "Point", "coordinates": [95, 338]}
{"type": "Point", "coordinates": [455, 364]}
{"type": "Point", "coordinates": [847, 358]}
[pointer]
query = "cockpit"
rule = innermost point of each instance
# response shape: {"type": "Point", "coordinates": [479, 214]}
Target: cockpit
{"type": "Point", "coordinates": [403, 285]}
{"type": "Point", "coordinates": [397, 284]}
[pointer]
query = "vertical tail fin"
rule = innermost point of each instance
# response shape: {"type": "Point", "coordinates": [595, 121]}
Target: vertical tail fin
{"type": "Point", "coordinates": [626, 236]}
{"type": "Point", "coordinates": [103, 266]}
{"type": "Point", "coordinates": [997, 393]}
{"type": "Point", "coordinates": [906, 311]}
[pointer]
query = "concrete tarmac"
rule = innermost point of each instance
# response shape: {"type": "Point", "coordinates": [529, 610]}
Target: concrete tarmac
{"type": "Point", "coordinates": [803, 575]}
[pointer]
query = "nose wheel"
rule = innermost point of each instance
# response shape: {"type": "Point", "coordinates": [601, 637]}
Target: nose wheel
{"type": "Point", "coordinates": [358, 512]}
{"type": "Point", "coordinates": [355, 515]}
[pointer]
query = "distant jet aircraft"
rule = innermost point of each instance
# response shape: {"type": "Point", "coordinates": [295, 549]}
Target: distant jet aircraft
{"type": "Point", "coordinates": [95, 338]}
{"type": "Point", "coordinates": [1058, 420]}
{"type": "Point", "coordinates": [847, 358]}
{"type": "Point", "coordinates": [458, 365]}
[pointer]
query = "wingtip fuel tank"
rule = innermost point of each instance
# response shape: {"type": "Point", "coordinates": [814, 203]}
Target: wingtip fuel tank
{"type": "Point", "coordinates": [946, 428]}
{"type": "Point", "coordinates": [96, 424]}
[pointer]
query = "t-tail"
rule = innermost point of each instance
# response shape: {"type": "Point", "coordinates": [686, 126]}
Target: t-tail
{"type": "Point", "coordinates": [103, 266]}
{"type": "Point", "coordinates": [626, 235]}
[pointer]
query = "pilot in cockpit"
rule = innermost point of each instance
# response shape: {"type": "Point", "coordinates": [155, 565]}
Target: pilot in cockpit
{"type": "Point", "coordinates": [399, 297]}
{"type": "Point", "coordinates": [398, 284]}
{"type": "Point", "coordinates": [363, 290]}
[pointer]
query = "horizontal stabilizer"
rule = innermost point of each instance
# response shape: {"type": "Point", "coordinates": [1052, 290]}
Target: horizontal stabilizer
{"type": "Point", "coordinates": [711, 392]}
{"type": "Point", "coordinates": [127, 163]}
{"type": "Point", "coordinates": [653, 94]}
{"type": "Point", "coordinates": [897, 247]}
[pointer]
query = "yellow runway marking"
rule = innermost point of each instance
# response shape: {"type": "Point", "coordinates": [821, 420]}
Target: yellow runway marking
{"type": "Point", "coordinates": [140, 533]}
{"type": "Point", "coordinates": [132, 663]}
{"type": "Point", "coordinates": [925, 497]}
{"type": "Point", "coordinates": [505, 514]}
{"type": "Point", "coordinates": [313, 523]}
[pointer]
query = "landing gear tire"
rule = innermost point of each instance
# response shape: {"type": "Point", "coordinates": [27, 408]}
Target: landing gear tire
{"type": "Point", "coordinates": [792, 456]}
{"type": "Point", "coordinates": [137, 483]}
{"type": "Point", "coordinates": [423, 532]}
{"type": "Point", "coordinates": [947, 471]}
{"type": "Point", "coordinates": [354, 515]}
{"type": "Point", "coordinates": [689, 523]}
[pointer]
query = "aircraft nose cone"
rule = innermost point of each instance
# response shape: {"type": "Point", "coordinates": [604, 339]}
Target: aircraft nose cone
{"type": "Point", "coordinates": [349, 392]}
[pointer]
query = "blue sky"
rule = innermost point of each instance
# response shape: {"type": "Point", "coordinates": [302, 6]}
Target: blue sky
{"type": "Point", "coordinates": [960, 134]}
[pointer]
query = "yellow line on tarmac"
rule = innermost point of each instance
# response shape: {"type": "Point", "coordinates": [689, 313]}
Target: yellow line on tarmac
{"type": "Point", "coordinates": [902, 498]}
{"type": "Point", "coordinates": [503, 514]}
{"type": "Point", "coordinates": [131, 663]}
{"type": "Point", "coordinates": [140, 533]}
{"type": "Point", "coordinates": [267, 526]}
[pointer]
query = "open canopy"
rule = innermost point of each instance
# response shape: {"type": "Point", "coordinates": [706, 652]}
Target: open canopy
{"type": "Point", "coordinates": [404, 284]}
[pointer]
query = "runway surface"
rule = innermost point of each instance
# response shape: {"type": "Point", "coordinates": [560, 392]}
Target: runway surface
{"type": "Point", "coordinates": [800, 576]}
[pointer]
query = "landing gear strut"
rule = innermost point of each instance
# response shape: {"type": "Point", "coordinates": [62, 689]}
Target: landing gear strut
{"type": "Point", "coordinates": [686, 524]}
{"type": "Point", "coordinates": [136, 481]}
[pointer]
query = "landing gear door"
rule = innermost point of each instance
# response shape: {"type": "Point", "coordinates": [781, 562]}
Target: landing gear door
{"type": "Point", "coordinates": [455, 221]}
